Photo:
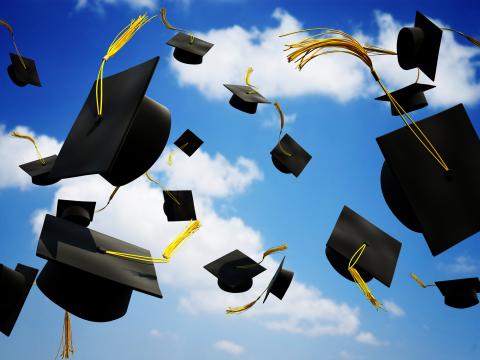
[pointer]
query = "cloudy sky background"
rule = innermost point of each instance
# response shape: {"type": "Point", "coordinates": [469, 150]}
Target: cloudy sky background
{"type": "Point", "coordinates": [242, 200]}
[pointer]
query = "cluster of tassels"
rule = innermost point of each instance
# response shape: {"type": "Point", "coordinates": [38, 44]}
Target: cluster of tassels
{"type": "Point", "coordinates": [10, 29]}
{"type": "Point", "coordinates": [19, 135]}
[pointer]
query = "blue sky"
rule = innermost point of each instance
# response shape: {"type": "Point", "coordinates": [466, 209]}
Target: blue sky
{"type": "Point", "coordinates": [243, 201]}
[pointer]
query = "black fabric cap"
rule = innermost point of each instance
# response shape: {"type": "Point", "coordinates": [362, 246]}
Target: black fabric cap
{"type": "Point", "coordinates": [85, 281]}
{"type": "Point", "coordinates": [235, 271]}
{"type": "Point", "coordinates": [15, 285]}
{"type": "Point", "coordinates": [410, 98]}
{"type": "Point", "coordinates": [40, 173]}
{"type": "Point", "coordinates": [78, 212]}
{"type": "Point", "coordinates": [460, 293]}
{"type": "Point", "coordinates": [183, 212]}
{"type": "Point", "coordinates": [379, 258]}
{"type": "Point", "coordinates": [445, 205]}
{"type": "Point", "coordinates": [189, 52]}
{"type": "Point", "coordinates": [280, 282]}
{"type": "Point", "coordinates": [419, 46]}
{"type": "Point", "coordinates": [293, 164]}
{"type": "Point", "coordinates": [23, 76]}
{"type": "Point", "coordinates": [245, 98]}
{"type": "Point", "coordinates": [193, 142]}
{"type": "Point", "coordinates": [127, 140]}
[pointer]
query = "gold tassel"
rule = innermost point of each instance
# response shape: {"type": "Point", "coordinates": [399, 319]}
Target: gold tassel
{"type": "Point", "coordinates": [240, 309]}
{"type": "Point", "coordinates": [247, 76]}
{"type": "Point", "coordinates": [66, 342]}
{"type": "Point", "coordinates": [170, 155]}
{"type": "Point", "coordinates": [191, 228]}
{"type": "Point", "coordinates": [120, 40]}
{"type": "Point", "coordinates": [282, 123]}
{"type": "Point", "coordinates": [163, 17]}
{"type": "Point", "coordinates": [265, 254]}
{"type": "Point", "coordinates": [170, 195]}
{"type": "Point", "coordinates": [10, 29]}
{"type": "Point", "coordinates": [359, 280]}
{"type": "Point", "coordinates": [19, 135]}
{"type": "Point", "coordinates": [468, 37]}
{"type": "Point", "coordinates": [109, 199]}
{"type": "Point", "coordinates": [419, 282]}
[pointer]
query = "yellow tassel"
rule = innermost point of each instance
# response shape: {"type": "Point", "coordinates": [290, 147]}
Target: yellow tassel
{"type": "Point", "coordinates": [19, 135]}
{"type": "Point", "coordinates": [468, 37]}
{"type": "Point", "coordinates": [419, 282]}
{"type": "Point", "coordinates": [163, 17]}
{"type": "Point", "coordinates": [274, 250]}
{"type": "Point", "coordinates": [109, 199]}
{"type": "Point", "coordinates": [191, 228]}
{"type": "Point", "coordinates": [240, 309]}
{"type": "Point", "coordinates": [170, 195]}
{"type": "Point", "coordinates": [247, 76]}
{"type": "Point", "coordinates": [10, 29]}
{"type": "Point", "coordinates": [282, 123]}
{"type": "Point", "coordinates": [172, 152]}
{"type": "Point", "coordinates": [66, 342]}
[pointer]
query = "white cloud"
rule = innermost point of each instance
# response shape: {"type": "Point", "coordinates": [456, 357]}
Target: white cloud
{"type": "Point", "coordinates": [368, 338]}
{"type": "Point", "coordinates": [274, 121]}
{"type": "Point", "coordinates": [229, 347]}
{"type": "Point", "coordinates": [462, 265]}
{"type": "Point", "coordinates": [338, 76]}
{"type": "Point", "coordinates": [155, 333]}
{"type": "Point", "coordinates": [98, 5]}
{"type": "Point", "coordinates": [14, 152]}
{"type": "Point", "coordinates": [393, 309]}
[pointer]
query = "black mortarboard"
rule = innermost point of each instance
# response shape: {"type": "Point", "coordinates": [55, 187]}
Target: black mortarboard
{"type": "Point", "coordinates": [280, 282]}
{"type": "Point", "coordinates": [419, 46]}
{"type": "Point", "coordinates": [184, 210]}
{"type": "Point", "coordinates": [235, 271]}
{"type": "Point", "coordinates": [293, 159]}
{"type": "Point", "coordinates": [460, 293]}
{"type": "Point", "coordinates": [245, 98]}
{"type": "Point", "coordinates": [129, 137]}
{"type": "Point", "coordinates": [21, 75]}
{"type": "Point", "coordinates": [410, 98]}
{"type": "Point", "coordinates": [39, 172]}
{"type": "Point", "coordinates": [15, 285]}
{"type": "Point", "coordinates": [85, 281]}
{"type": "Point", "coordinates": [421, 194]}
{"type": "Point", "coordinates": [78, 212]}
{"type": "Point", "coordinates": [188, 49]}
{"type": "Point", "coordinates": [379, 259]}
{"type": "Point", "coordinates": [188, 142]}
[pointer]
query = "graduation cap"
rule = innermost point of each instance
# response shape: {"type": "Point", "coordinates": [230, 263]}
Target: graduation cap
{"type": "Point", "coordinates": [188, 142]}
{"type": "Point", "coordinates": [460, 293]}
{"type": "Point", "coordinates": [443, 205]}
{"type": "Point", "coordinates": [245, 98]}
{"type": "Point", "coordinates": [188, 48]}
{"type": "Point", "coordinates": [359, 251]}
{"type": "Point", "coordinates": [410, 98]}
{"type": "Point", "coordinates": [23, 71]}
{"type": "Point", "coordinates": [39, 170]}
{"type": "Point", "coordinates": [82, 278]}
{"type": "Point", "coordinates": [235, 271]}
{"type": "Point", "coordinates": [126, 140]}
{"type": "Point", "coordinates": [178, 205]}
{"type": "Point", "coordinates": [289, 157]}
{"type": "Point", "coordinates": [15, 285]}
{"type": "Point", "coordinates": [418, 46]}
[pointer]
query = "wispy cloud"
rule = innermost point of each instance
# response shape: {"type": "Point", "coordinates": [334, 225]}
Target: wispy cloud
{"type": "Point", "coordinates": [229, 347]}
{"type": "Point", "coordinates": [462, 265]}
{"type": "Point", "coordinates": [368, 338]}
{"type": "Point", "coordinates": [274, 120]}
{"type": "Point", "coordinates": [99, 5]}
{"type": "Point", "coordinates": [393, 309]}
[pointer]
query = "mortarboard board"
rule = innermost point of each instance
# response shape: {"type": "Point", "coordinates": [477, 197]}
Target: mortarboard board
{"type": "Point", "coordinates": [188, 142]}
{"type": "Point", "coordinates": [82, 279]}
{"type": "Point", "coordinates": [289, 157]}
{"type": "Point", "coordinates": [126, 140]}
{"type": "Point", "coordinates": [40, 172]}
{"type": "Point", "coordinates": [418, 46]}
{"type": "Point", "coordinates": [280, 282]}
{"type": "Point", "coordinates": [379, 259]}
{"type": "Point", "coordinates": [188, 48]}
{"type": "Point", "coordinates": [178, 205]}
{"type": "Point", "coordinates": [424, 197]}
{"type": "Point", "coordinates": [235, 271]}
{"type": "Point", "coordinates": [410, 98]}
{"type": "Point", "coordinates": [245, 98]}
{"type": "Point", "coordinates": [78, 212]}
{"type": "Point", "coordinates": [15, 285]}
{"type": "Point", "coordinates": [460, 293]}
{"type": "Point", "coordinates": [23, 75]}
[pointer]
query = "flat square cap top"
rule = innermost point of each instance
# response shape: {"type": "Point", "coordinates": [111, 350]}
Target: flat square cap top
{"type": "Point", "coordinates": [188, 142]}
{"type": "Point", "coordinates": [407, 92]}
{"type": "Point", "coordinates": [24, 75]}
{"type": "Point", "coordinates": [183, 209]}
{"type": "Point", "coordinates": [72, 245]}
{"type": "Point", "coordinates": [293, 159]}
{"type": "Point", "coordinates": [247, 93]}
{"type": "Point", "coordinates": [379, 258]}
{"type": "Point", "coordinates": [183, 41]}
{"type": "Point", "coordinates": [446, 206]}
{"type": "Point", "coordinates": [93, 144]}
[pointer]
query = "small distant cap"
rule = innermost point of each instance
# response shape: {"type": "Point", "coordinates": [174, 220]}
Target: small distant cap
{"type": "Point", "coordinates": [188, 142]}
{"type": "Point", "coordinates": [129, 137]}
{"type": "Point", "coordinates": [39, 172]}
{"type": "Point", "coordinates": [410, 98]}
{"type": "Point", "coordinates": [245, 98]}
{"type": "Point", "coordinates": [20, 75]}
{"type": "Point", "coordinates": [235, 271]}
{"type": "Point", "coordinates": [79, 212]}
{"type": "Point", "coordinates": [15, 286]}
{"type": "Point", "coordinates": [293, 159]}
{"type": "Point", "coordinates": [184, 211]}
{"type": "Point", "coordinates": [418, 46]}
{"type": "Point", "coordinates": [188, 51]}
{"type": "Point", "coordinates": [85, 281]}
{"type": "Point", "coordinates": [379, 259]}
{"type": "Point", "coordinates": [460, 293]}
{"type": "Point", "coordinates": [280, 282]}
{"type": "Point", "coordinates": [421, 194]}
